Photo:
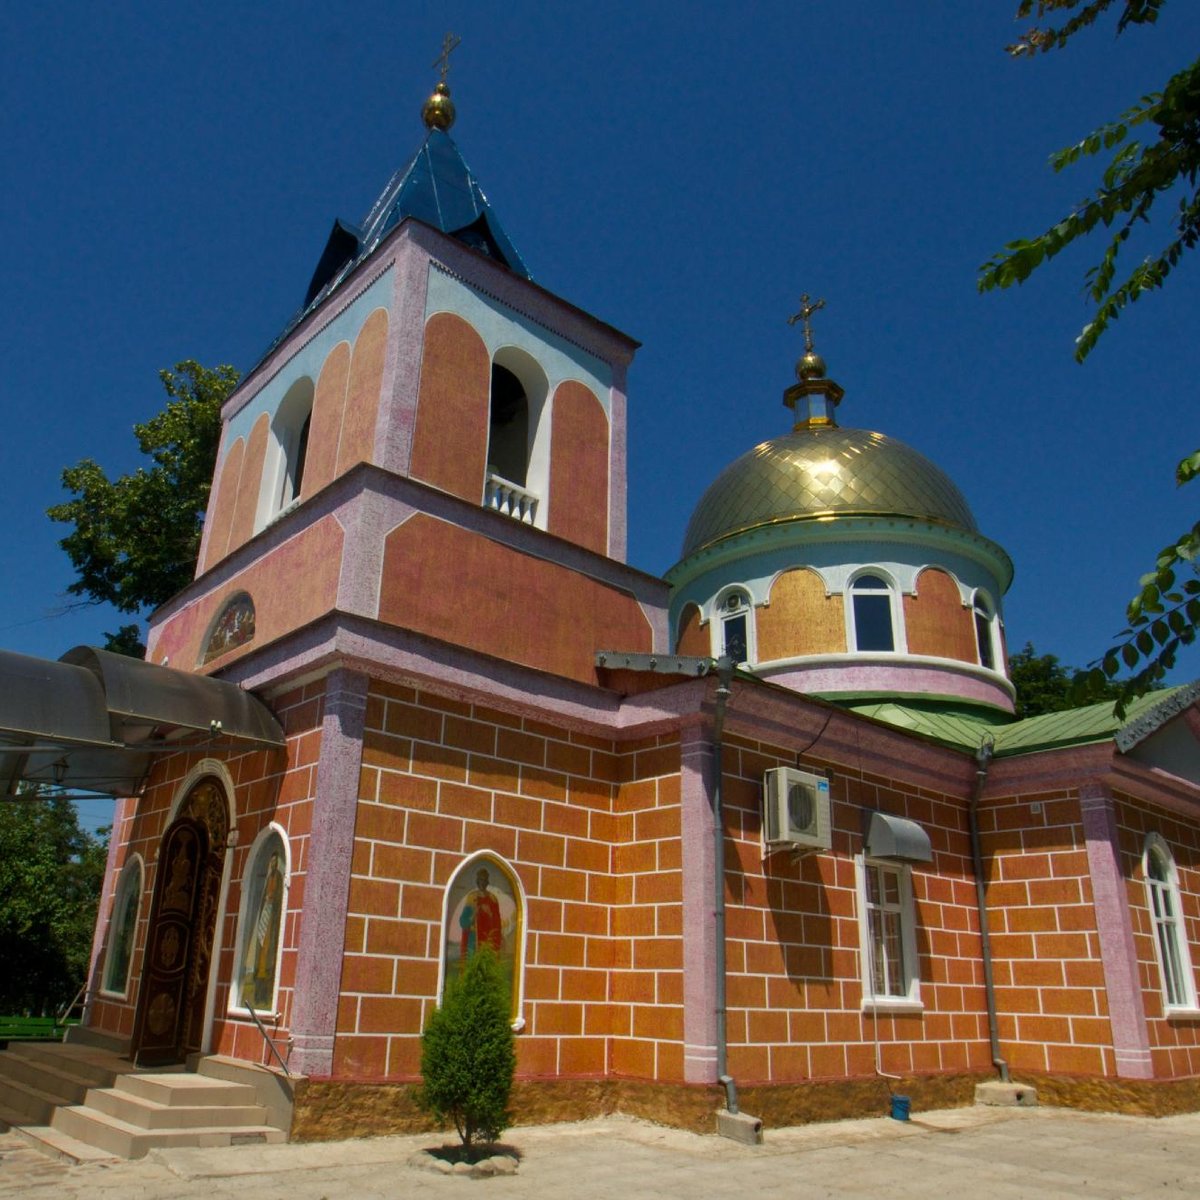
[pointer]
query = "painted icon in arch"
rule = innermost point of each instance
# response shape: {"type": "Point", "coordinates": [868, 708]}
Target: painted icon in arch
{"type": "Point", "coordinates": [483, 908]}
{"type": "Point", "coordinates": [233, 627]}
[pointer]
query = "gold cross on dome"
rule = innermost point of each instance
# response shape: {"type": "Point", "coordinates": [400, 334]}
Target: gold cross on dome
{"type": "Point", "coordinates": [807, 308]}
{"type": "Point", "coordinates": [449, 44]}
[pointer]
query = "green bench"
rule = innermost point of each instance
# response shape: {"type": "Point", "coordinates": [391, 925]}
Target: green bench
{"type": "Point", "coordinates": [29, 1029]}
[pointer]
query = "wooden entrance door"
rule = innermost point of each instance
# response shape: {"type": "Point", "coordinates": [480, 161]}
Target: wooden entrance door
{"type": "Point", "coordinates": [163, 999]}
{"type": "Point", "coordinates": [183, 917]}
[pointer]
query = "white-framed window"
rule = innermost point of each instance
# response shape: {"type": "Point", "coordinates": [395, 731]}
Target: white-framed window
{"type": "Point", "coordinates": [985, 630]}
{"type": "Point", "coordinates": [873, 614]}
{"type": "Point", "coordinates": [260, 924]}
{"type": "Point", "coordinates": [1166, 916]}
{"type": "Point", "coordinates": [733, 626]}
{"type": "Point", "coordinates": [122, 928]}
{"type": "Point", "coordinates": [887, 934]}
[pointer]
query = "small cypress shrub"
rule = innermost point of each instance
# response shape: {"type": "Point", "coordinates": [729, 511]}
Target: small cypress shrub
{"type": "Point", "coordinates": [467, 1053]}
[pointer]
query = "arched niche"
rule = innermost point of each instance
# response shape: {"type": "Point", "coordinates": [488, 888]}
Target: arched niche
{"type": "Point", "coordinates": [484, 905]}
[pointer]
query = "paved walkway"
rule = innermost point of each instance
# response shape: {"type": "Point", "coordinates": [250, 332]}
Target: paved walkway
{"type": "Point", "coordinates": [993, 1153]}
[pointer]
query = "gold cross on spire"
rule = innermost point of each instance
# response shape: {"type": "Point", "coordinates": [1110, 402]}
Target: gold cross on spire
{"type": "Point", "coordinates": [807, 308]}
{"type": "Point", "coordinates": [442, 63]}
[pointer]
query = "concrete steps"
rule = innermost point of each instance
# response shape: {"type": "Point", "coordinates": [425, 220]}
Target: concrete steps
{"type": "Point", "coordinates": [83, 1102]}
{"type": "Point", "coordinates": [38, 1077]}
{"type": "Point", "coordinates": [129, 1127]}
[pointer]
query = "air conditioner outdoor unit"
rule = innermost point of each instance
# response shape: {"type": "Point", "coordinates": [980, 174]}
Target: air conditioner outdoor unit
{"type": "Point", "coordinates": [796, 809]}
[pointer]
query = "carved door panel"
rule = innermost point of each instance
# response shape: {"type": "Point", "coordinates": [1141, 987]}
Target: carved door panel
{"type": "Point", "coordinates": [164, 1010]}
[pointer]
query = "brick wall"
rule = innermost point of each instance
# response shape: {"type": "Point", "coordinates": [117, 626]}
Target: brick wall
{"type": "Point", "coordinates": [794, 989]}
{"type": "Point", "coordinates": [1050, 994]}
{"type": "Point", "coordinates": [1174, 1041]}
{"type": "Point", "coordinates": [442, 779]}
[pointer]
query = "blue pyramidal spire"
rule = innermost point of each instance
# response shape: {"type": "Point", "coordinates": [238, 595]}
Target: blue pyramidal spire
{"type": "Point", "coordinates": [438, 188]}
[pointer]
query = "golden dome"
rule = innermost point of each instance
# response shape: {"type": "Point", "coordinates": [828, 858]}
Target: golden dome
{"type": "Point", "coordinates": [825, 472]}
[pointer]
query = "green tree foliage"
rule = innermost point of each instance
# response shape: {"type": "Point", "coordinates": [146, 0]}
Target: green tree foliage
{"type": "Point", "coordinates": [1045, 685]}
{"type": "Point", "coordinates": [1163, 617]}
{"type": "Point", "coordinates": [135, 538]}
{"type": "Point", "coordinates": [1153, 154]}
{"type": "Point", "coordinates": [467, 1055]}
{"type": "Point", "coordinates": [1139, 174]}
{"type": "Point", "coordinates": [51, 873]}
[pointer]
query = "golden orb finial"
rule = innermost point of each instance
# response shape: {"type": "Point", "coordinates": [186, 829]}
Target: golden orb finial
{"type": "Point", "coordinates": [810, 366]}
{"type": "Point", "coordinates": [438, 111]}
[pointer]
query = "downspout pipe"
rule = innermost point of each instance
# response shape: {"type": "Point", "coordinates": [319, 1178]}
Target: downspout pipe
{"type": "Point", "coordinates": [724, 666]}
{"type": "Point", "coordinates": [983, 761]}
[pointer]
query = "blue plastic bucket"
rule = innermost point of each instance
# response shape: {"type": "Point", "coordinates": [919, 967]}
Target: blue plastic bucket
{"type": "Point", "coordinates": [901, 1107]}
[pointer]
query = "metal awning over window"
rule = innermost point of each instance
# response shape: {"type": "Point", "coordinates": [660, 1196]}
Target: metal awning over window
{"type": "Point", "coordinates": [93, 721]}
{"type": "Point", "coordinates": [897, 838]}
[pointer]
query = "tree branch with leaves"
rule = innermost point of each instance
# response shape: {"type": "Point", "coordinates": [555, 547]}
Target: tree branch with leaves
{"type": "Point", "coordinates": [135, 538]}
{"type": "Point", "coordinates": [1154, 160]}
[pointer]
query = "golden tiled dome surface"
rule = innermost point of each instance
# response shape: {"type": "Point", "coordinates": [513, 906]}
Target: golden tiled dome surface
{"type": "Point", "coordinates": [825, 472]}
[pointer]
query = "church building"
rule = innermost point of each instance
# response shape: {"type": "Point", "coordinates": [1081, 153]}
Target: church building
{"type": "Point", "coordinates": [762, 831]}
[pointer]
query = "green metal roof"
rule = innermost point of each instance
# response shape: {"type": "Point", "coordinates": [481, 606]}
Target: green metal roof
{"type": "Point", "coordinates": [964, 731]}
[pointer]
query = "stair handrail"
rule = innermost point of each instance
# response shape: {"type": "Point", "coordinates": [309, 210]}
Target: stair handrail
{"type": "Point", "coordinates": [266, 1037]}
{"type": "Point", "coordinates": [61, 1015]}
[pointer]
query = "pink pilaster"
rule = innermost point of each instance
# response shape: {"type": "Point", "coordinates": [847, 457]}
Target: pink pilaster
{"type": "Point", "coordinates": [698, 778]}
{"type": "Point", "coordinates": [331, 847]}
{"type": "Point", "coordinates": [1126, 1015]}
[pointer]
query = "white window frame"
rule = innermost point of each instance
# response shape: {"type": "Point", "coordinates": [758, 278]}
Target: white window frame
{"type": "Point", "coordinates": [983, 606]}
{"type": "Point", "coordinates": [721, 613]}
{"type": "Point", "coordinates": [908, 998]}
{"type": "Point", "coordinates": [257, 849]}
{"type": "Point", "coordinates": [1167, 928]}
{"type": "Point", "coordinates": [135, 867]}
{"type": "Point", "coordinates": [899, 637]}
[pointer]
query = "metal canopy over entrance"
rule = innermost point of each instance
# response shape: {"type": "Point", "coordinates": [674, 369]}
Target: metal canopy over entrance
{"type": "Point", "coordinates": [93, 721]}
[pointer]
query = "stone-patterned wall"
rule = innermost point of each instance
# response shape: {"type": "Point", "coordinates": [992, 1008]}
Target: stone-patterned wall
{"type": "Point", "coordinates": [936, 620]}
{"type": "Point", "coordinates": [1050, 991]}
{"type": "Point", "coordinates": [794, 988]}
{"type": "Point", "coordinates": [442, 779]}
{"type": "Point", "coordinates": [1174, 1040]}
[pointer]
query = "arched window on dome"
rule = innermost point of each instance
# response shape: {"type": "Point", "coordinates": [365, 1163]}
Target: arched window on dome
{"type": "Point", "coordinates": [985, 630]}
{"type": "Point", "coordinates": [733, 628]}
{"type": "Point", "coordinates": [873, 614]}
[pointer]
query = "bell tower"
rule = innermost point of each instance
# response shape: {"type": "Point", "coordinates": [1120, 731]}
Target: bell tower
{"type": "Point", "coordinates": [434, 445]}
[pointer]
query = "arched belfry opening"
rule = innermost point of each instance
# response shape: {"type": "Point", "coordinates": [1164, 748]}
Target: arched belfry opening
{"type": "Point", "coordinates": [508, 432]}
{"type": "Point", "coordinates": [518, 445]}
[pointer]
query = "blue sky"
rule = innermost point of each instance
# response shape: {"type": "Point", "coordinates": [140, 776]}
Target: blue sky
{"type": "Point", "coordinates": [684, 172]}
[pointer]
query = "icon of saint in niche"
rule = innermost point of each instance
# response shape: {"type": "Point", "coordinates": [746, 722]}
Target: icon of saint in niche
{"type": "Point", "coordinates": [485, 914]}
{"type": "Point", "coordinates": [262, 942]}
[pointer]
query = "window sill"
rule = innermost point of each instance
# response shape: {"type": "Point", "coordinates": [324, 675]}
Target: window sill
{"type": "Point", "coordinates": [244, 1014]}
{"type": "Point", "coordinates": [892, 1004]}
{"type": "Point", "coordinates": [1181, 1013]}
